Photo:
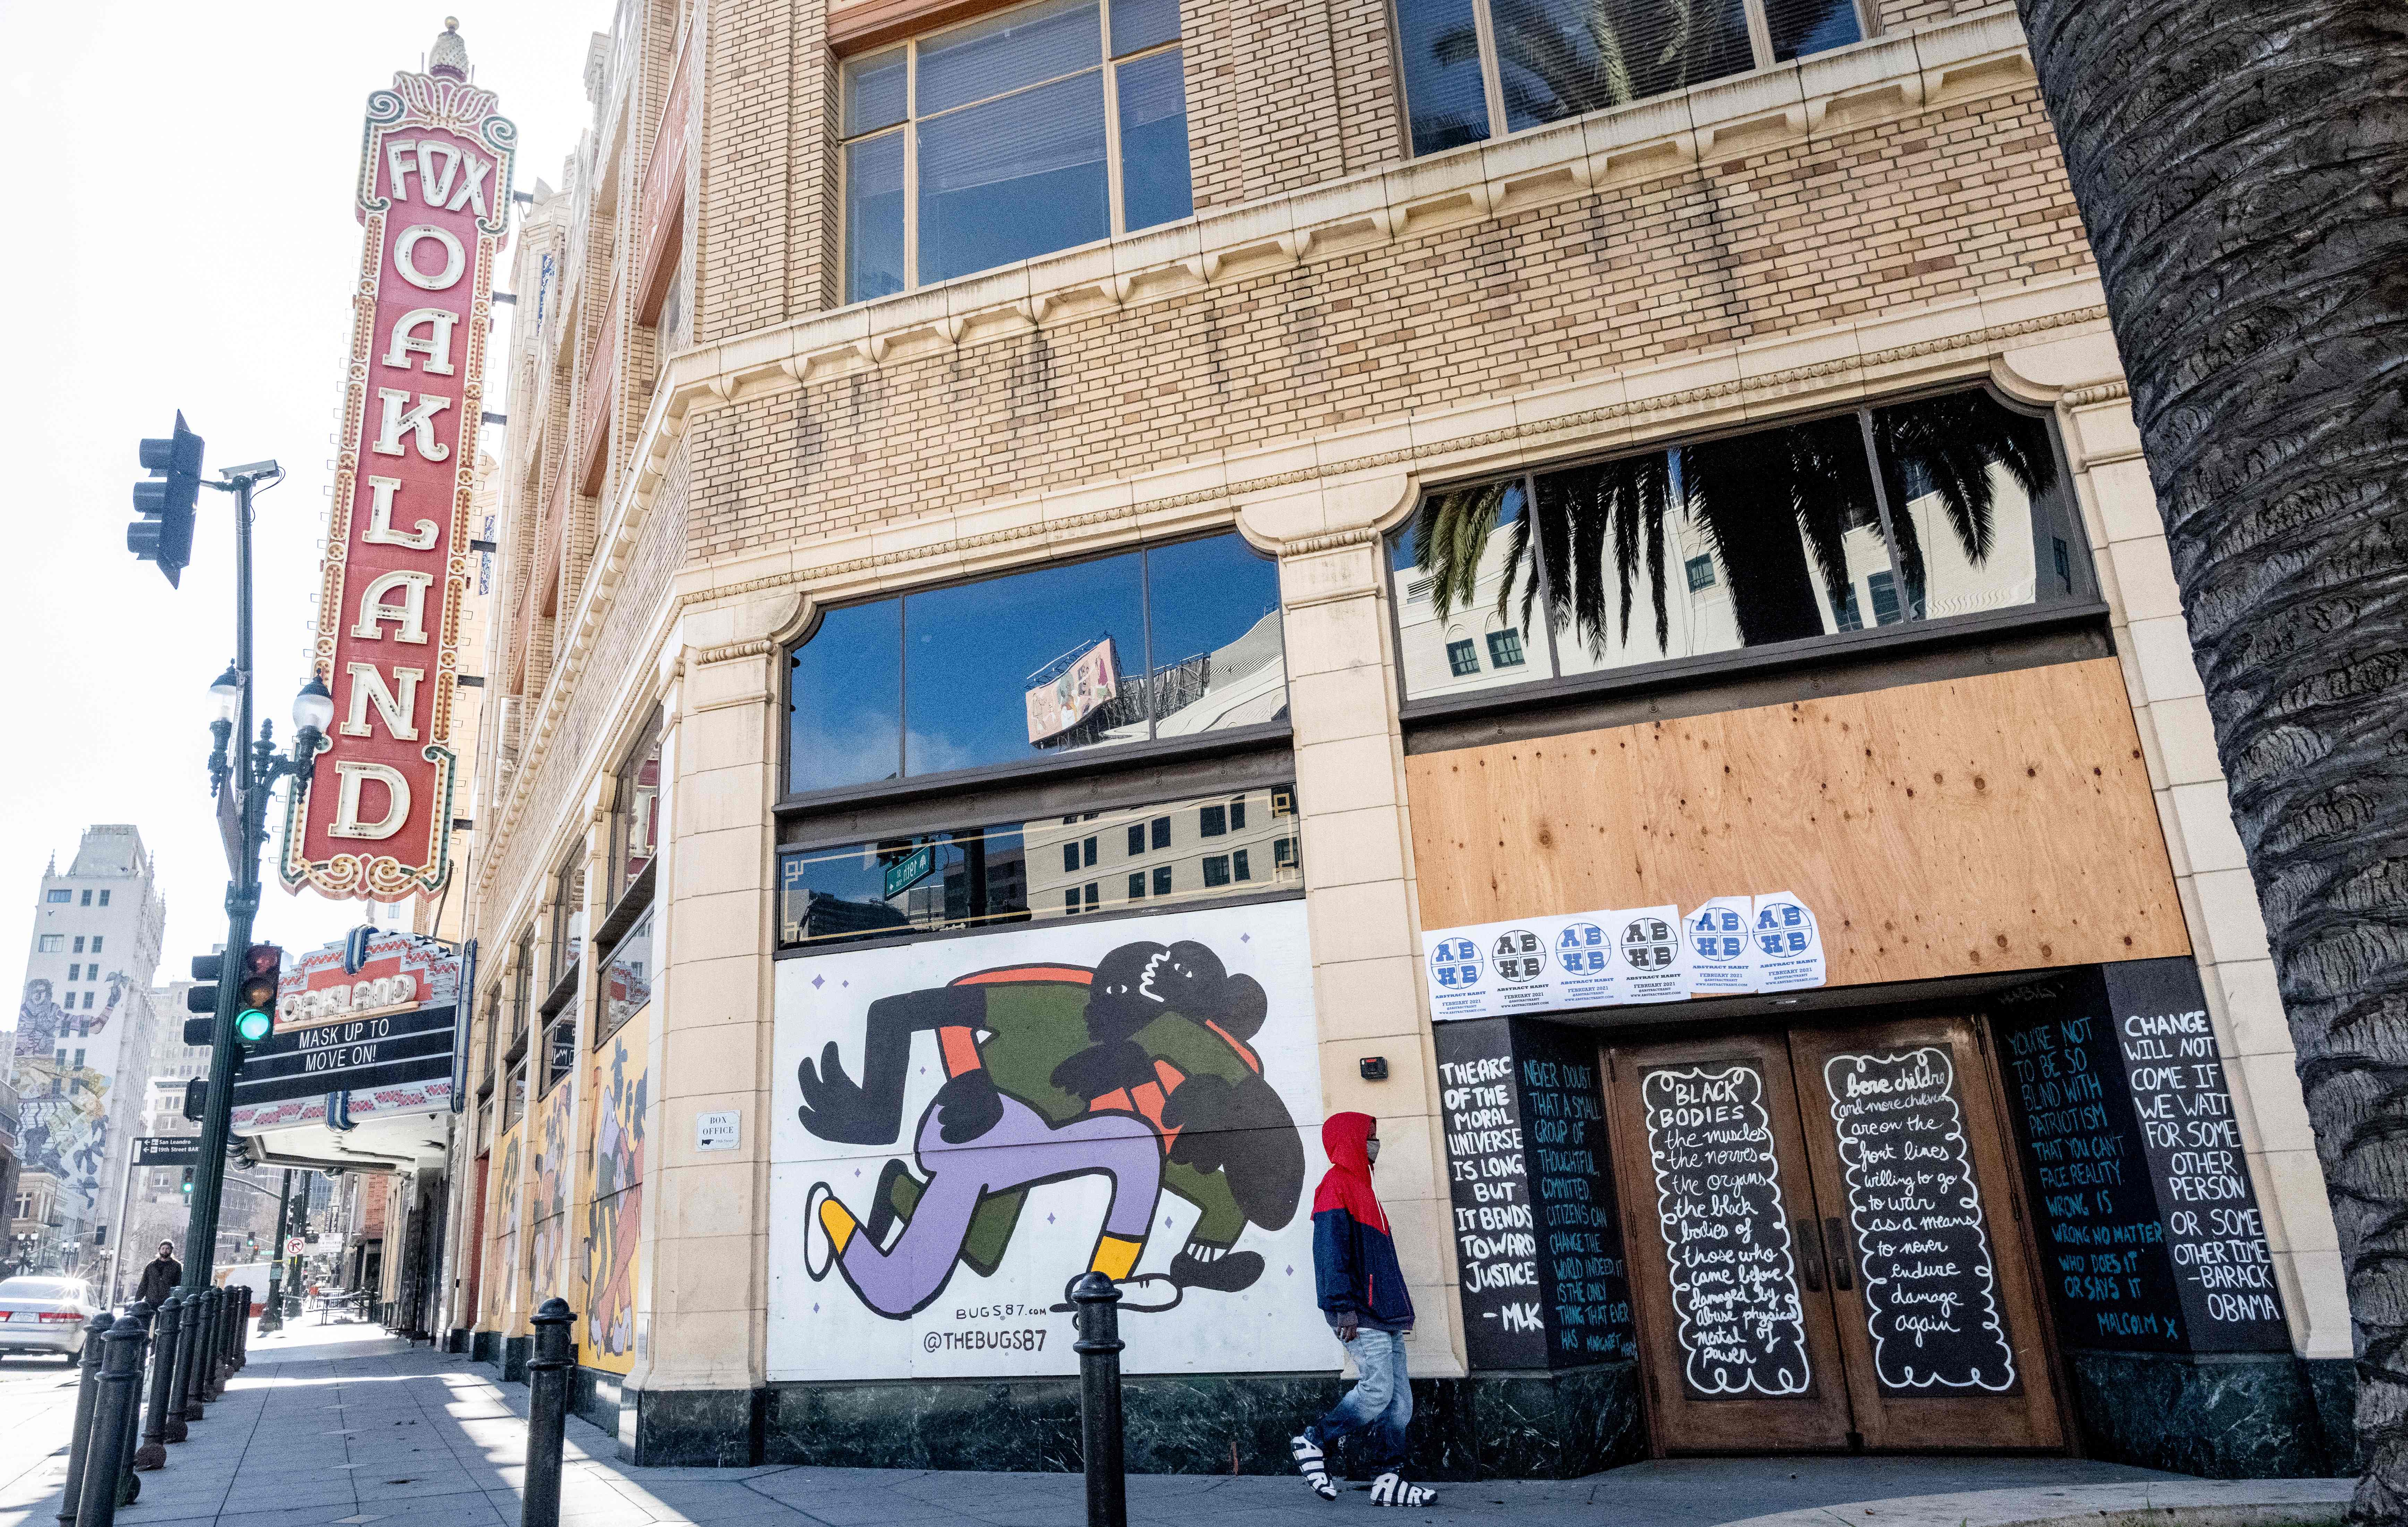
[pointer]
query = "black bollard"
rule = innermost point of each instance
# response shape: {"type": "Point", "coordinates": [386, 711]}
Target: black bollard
{"type": "Point", "coordinates": [242, 1329]}
{"type": "Point", "coordinates": [105, 1456]}
{"type": "Point", "coordinates": [221, 1343]}
{"type": "Point", "coordinates": [1100, 1398]}
{"type": "Point", "coordinates": [547, 1414]}
{"type": "Point", "coordinates": [201, 1310]}
{"type": "Point", "coordinates": [87, 1395]}
{"type": "Point", "coordinates": [152, 1454]}
{"type": "Point", "coordinates": [129, 1488]}
{"type": "Point", "coordinates": [179, 1372]}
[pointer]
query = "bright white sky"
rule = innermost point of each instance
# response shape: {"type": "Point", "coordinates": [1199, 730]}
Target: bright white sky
{"type": "Point", "coordinates": [176, 223]}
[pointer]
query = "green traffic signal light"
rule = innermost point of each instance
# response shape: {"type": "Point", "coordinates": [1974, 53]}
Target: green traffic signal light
{"type": "Point", "coordinates": [252, 1025]}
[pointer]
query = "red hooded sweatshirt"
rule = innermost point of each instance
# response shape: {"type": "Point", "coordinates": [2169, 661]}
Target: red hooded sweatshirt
{"type": "Point", "coordinates": [1354, 1256]}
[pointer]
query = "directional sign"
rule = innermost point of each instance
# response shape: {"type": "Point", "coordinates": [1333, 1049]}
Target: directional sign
{"type": "Point", "coordinates": [296, 1245]}
{"type": "Point", "coordinates": [166, 1149]}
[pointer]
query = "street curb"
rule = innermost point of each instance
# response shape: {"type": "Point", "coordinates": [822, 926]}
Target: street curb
{"type": "Point", "coordinates": [2204, 1503]}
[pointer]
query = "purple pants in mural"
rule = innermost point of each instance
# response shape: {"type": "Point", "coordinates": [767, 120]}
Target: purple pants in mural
{"type": "Point", "coordinates": [1019, 1150]}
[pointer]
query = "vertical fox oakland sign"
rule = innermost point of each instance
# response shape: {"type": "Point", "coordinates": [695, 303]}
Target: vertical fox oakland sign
{"type": "Point", "coordinates": [434, 200]}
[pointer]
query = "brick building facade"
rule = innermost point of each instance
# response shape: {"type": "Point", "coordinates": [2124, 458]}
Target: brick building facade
{"type": "Point", "coordinates": [779, 442]}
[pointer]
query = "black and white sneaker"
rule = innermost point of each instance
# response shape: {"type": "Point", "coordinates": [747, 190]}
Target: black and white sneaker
{"type": "Point", "coordinates": [1391, 1490]}
{"type": "Point", "coordinates": [1312, 1464]}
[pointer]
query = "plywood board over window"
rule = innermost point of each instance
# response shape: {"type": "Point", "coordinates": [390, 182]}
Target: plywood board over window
{"type": "Point", "coordinates": [1963, 827]}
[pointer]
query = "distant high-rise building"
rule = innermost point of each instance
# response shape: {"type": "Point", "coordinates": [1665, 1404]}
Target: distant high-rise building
{"type": "Point", "coordinates": [86, 1026]}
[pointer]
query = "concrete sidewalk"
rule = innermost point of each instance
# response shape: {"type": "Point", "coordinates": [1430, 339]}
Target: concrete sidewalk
{"type": "Point", "coordinates": [343, 1425]}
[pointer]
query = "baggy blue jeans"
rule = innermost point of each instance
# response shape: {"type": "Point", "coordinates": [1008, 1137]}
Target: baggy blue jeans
{"type": "Point", "coordinates": [1380, 1404]}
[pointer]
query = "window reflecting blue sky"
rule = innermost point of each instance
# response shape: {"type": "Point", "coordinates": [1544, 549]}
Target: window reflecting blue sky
{"type": "Point", "coordinates": [845, 681]}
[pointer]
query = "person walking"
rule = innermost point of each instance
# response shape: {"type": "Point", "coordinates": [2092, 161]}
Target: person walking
{"type": "Point", "coordinates": [1361, 1291]}
{"type": "Point", "coordinates": [161, 1277]}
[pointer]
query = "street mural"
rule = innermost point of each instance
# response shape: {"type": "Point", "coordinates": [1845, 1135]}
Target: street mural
{"type": "Point", "coordinates": [614, 1200]}
{"type": "Point", "coordinates": [64, 1108]}
{"type": "Point", "coordinates": [552, 1178]}
{"type": "Point", "coordinates": [506, 1243]}
{"type": "Point", "coordinates": [963, 1127]}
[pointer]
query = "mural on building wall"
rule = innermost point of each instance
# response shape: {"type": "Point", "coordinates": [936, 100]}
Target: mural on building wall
{"type": "Point", "coordinates": [506, 1238]}
{"type": "Point", "coordinates": [64, 1105]}
{"type": "Point", "coordinates": [614, 1201]}
{"type": "Point", "coordinates": [552, 1178]}
{"type": "Point", "coordinates": [963, 1126]}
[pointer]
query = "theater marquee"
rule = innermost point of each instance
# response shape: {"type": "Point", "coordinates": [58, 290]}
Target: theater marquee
{"type": "Point", "coordinates": [434, 197]}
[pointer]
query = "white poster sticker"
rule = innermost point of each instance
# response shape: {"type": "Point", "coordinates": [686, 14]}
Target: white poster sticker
{"type": "Point", "coordinates": [1458, 975]}
{"type": "Point", "coordinates": [1586, 972]}
{"type": "Point", "coordinates": [1491, 968]}
{"type": "Point", "coordinates": [1721, 956]}
{"type": "Point", "coordinates": [962, 1126]}
{"type": "Point", "coordinates": [1788, 946]}
{"type": "Point", "coordinates": [1650, 956]}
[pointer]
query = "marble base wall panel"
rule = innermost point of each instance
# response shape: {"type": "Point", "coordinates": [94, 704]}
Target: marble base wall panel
{"type": "Point", "coordinates": [593, 1395]}
{"type": "Point", "coordinates": [516, 1351]}
{"type": "Point", "coordinates": [484, 1347]}
{"type": "Point", "coordinates": [688, 1428]}
{"type": "Point", "coordinates": [2242, 1416]}
{"type": "Point", "coordinates": [1535, 1426]}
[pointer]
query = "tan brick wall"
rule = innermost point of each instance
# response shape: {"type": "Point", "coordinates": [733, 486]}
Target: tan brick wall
{"type": "Point", "coordinates": [743, 221]}
{"type": "Point", "coordinates": [1807, 234]}
{"type": "Point", "coordinates": [1262, 98]}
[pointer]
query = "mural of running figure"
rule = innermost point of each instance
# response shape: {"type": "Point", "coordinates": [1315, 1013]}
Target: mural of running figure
{"type": "Point", "coordinates": [1138, 1071]}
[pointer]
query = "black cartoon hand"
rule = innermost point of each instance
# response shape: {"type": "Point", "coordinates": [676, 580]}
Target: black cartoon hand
{"type": "Point", "coordinates": [968, 1107]}
{"type": "Point", "coordinates": [835, 1106]}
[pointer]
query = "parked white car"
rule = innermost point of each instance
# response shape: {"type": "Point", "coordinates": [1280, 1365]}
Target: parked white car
{"type": "Point", "coordinates": [45, 1315]}
{"type": "Point", "coordinates": [251, 1275]}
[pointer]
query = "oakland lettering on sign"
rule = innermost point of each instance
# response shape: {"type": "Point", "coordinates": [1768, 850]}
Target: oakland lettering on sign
{"type": "Point", "coordinates": [374, 823]}
{"type": "Point", "coordinates": [2151, 1233]}
{"type": "Point", "coordinates": [1931, 1285]}
{"type": "Point", "coordinates": [1741, 1328]}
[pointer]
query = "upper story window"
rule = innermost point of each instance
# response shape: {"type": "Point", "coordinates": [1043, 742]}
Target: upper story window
{"type": "Point", "coordinates": [58, 898]}
{"type": "Point", "coordinates": [1014, 136]}
{"type": "Point", "coordinates": [568, 917]}
{"type": "Point", "coordinates": [1900, 512]}
{"type": "Point", "coordinates": [1477, 69]}
{"type": "Point", "coordinates": [634, 819]}
{"type": "Point", "coordinates": [1160, 642]}
{"type": "Point", "coordinates": [53, 943]}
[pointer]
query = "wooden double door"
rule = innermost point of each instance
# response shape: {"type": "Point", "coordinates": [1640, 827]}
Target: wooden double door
{"type": "Point", "coordinates": [1826, 1248]}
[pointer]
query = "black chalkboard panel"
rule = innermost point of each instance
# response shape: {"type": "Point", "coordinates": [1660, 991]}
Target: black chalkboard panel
{"type": "Point", "coordinates": [2150, 1231]}
{"type": "Point", "coordinates": [1537, 1247]}
{"type": "Point", "coordinates": [1930, 1280]}
{"type": "Point", "coordinates": [1726, 1224]}
{"type": "Point", "coordinates": [1488, 1182]}
{"type": "Point", "coordinates": [1581, 1275]}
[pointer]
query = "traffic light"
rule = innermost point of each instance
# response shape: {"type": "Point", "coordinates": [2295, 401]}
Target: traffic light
{"type": "Point", "coordinates": [164, 534]}
{"type": "Point", "coordinates": [202, 997]}
{"type": "Point", "coordinates": [196, 1099]}
{"type": "Point", "coordinates": [263, 972]}
{"type": "Point", "coordinates": [188, 1171]}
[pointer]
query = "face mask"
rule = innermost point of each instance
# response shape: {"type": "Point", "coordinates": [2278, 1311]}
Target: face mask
{"type": "Point", "coordinates": [1371, 1148]}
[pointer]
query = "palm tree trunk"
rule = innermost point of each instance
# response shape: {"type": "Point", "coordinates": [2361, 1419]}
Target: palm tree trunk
{"type": "Point", "coordinates": [2242, 168]}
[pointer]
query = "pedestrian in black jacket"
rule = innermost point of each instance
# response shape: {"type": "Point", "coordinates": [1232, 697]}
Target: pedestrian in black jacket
{"type": "Point", "coordinates": [161, 1277]}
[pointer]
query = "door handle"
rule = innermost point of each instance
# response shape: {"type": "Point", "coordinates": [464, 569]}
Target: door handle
{"type": "Point", "coordinates": [1841, 1253]}
{"type": "Point", "coordinates": [1810, 1248]}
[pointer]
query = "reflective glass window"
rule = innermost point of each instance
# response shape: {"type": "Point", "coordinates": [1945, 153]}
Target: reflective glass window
{"type": "Point", "coordinates": [1017, 872]}
{"type": "Point", "coordinates": [1162, 642]}
{"type": "Point", "coordinates": [1925, 509]}
{"type": "Point", "coordinates": [1477, 68]}
{"type": "Point", "coordinates": [994, 141]}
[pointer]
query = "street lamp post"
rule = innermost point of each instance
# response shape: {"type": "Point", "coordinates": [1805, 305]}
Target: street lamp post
{"type": "Point", "coordinates": [243, 771]}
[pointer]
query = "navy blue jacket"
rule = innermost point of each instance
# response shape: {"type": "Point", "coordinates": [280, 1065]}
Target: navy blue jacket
{"type": "Point", "coordinates": [1354, 1256]}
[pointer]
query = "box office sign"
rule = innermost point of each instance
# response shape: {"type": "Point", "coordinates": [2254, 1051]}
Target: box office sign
{"type": "Point", "coordinates": [434, 199]}
{"type": "Point", "coordinates": [962, 1126]}
{"type": "Point", "coordinates": [387, 1021]}
{"type": "Point", "coordinates": [1730, 945]}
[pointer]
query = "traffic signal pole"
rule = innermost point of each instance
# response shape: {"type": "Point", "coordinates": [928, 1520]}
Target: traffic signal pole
{"type": "Point", "coordinates": [242, 907]}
